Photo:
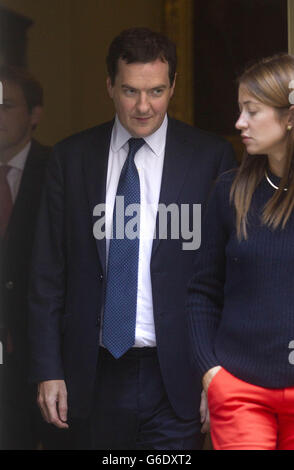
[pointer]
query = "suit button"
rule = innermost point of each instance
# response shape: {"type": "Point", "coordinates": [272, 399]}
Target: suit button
{"type": "Point", "coordinates": [101, 277]}
{"type": "Point", "coordinates": [9, 285]}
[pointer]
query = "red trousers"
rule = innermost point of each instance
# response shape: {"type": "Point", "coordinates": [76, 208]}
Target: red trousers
{"type": "Point", "coordinates": [249, 417]}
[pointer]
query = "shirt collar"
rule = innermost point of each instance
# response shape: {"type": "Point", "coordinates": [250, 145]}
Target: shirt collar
{"type": "Point", "coordinates": [120, 135]}
{"type": "Point", "coordinates": [155, 141]}
{"type": "Point", "coordinates": [19, 160]}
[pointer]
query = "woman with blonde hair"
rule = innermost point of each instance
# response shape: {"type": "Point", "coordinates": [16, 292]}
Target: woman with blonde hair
{"type": "Point", "coordinates": [241, 297]}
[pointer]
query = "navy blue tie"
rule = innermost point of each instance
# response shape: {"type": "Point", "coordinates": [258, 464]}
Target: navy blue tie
{"type": "Point", "coordinates": [119, 322]}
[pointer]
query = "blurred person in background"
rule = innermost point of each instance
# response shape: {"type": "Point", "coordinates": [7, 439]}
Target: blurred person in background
{"type": "Point", "coordinates": [22, 166]}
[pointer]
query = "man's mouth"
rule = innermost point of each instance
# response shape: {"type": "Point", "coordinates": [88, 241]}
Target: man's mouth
{"type": "Point", "coordinates": [143, 119]}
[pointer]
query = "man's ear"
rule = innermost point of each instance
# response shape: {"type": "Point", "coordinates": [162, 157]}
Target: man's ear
{"type": "Point", "coordinates": [109, 87]}
{"type": "Point", "coordinates": [36, 116]}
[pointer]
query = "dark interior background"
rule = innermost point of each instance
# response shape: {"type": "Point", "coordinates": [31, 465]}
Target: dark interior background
{"type": "Point", "coordinates": [228, 35]}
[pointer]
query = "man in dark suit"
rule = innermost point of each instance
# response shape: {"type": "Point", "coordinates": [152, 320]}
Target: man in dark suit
{"type": "Point", "coordinates": [22, 166]}
{"type": "Point", "coordinates": [22, 169]}
{"type": "Point", "coordinates": [108, 328]}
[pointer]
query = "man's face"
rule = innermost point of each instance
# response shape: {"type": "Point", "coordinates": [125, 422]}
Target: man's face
{"type": "Point", "coordinates": [141, 95]}
{"type": "Point", "coordinates": [16, 123]}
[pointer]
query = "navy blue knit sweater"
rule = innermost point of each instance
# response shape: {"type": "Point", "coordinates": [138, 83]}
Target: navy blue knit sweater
{"type": "Point", "coordinates": [241, 298]}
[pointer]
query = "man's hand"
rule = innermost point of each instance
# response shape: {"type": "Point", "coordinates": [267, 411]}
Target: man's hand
{"type": "Point", "coordinates": [52, 401]}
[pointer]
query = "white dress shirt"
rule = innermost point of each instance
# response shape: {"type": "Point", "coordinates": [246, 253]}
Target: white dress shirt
{"type": "Point", "coordinates": [149, 162]}
{"type": "Point", "coordinates": [17, 164]}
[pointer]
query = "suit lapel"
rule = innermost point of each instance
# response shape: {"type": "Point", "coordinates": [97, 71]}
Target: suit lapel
{"type": "Point", "coordinates": [177, 160]}
{"type": "Point", "coordinates": [95, 172]}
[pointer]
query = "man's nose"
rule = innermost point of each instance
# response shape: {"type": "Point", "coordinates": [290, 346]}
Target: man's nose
{"type": "Point", "coordinates": [143, 104]}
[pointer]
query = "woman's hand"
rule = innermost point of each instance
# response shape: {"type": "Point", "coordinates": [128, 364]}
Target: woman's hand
{"type": "Point", "coordinates": [204, 411]}
{"type": "Point", "coordinates": [208, 376]}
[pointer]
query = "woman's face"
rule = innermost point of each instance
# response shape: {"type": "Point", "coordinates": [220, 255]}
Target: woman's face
{"type": "Point", "coordinates": [263, 131]}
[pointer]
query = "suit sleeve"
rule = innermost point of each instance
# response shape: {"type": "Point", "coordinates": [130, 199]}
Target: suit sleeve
{"type": "Point", "coordinates": [47, 279]}
{"type": "Point", "coordinates": [227, 159]}
{"type": "Point", "coordinates": [206, 288]}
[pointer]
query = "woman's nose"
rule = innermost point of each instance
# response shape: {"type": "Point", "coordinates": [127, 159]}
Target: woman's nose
{"type": "Point", "coordinates": [241, 123]}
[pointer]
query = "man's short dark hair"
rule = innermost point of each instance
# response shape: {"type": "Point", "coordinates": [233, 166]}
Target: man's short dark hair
{"type": "Point", "coordinates": [141, 45]}
{"type": "Point", "coordinates": [31, 88]}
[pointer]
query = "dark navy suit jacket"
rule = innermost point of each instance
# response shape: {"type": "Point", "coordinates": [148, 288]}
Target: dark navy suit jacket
{"type": "Point", "coordinates": [16, 397]}
{"type": "Point", "coordinates": [16, 248]}
{"type": "Point", "coordinates": [69, 269]}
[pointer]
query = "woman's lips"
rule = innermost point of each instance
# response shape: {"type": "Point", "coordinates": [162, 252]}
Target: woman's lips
{"type": "Point", "coordinates": [245, 138]}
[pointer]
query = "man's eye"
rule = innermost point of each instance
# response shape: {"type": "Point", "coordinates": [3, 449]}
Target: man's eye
{"type": "Point", "coordinates": [130, 92]}
{"type": "Point", "coordinates": [6, 106]}
{"type": "Point", "coordinates": [157, 92]}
